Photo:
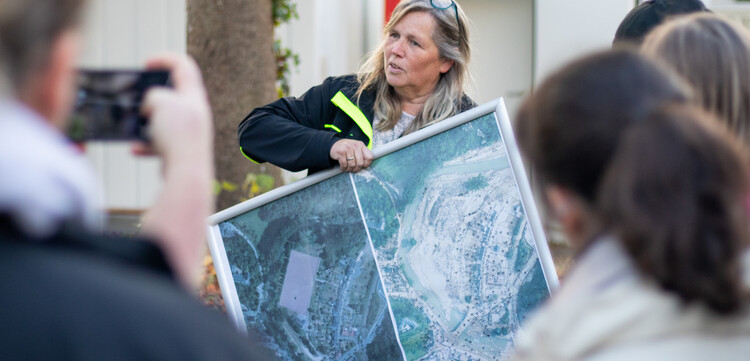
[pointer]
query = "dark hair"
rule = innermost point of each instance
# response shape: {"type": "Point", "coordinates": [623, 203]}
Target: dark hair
{"type": "Point", "coordinates": [646, 16]}
{"type": "Point", "coordinates": [609, 128]}
{"type": "Point", "coordinates": [28, 30]}
{"type": "Point", "coordinates": [569, 127]}
{"type": "Point", "coordinates": [674, 194]}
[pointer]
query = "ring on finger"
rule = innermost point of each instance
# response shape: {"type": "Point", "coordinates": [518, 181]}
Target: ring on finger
{"type": "Point", "coordinates": [350, 158]}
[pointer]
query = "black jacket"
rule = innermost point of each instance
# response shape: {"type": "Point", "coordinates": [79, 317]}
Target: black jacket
{"type": "Point", "coordinates": [83, 297]}
{"type": "Point", "coordinates": [298, 133]}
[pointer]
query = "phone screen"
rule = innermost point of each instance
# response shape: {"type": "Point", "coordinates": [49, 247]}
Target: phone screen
{"type": "Point", "coordinates": [108, 104]}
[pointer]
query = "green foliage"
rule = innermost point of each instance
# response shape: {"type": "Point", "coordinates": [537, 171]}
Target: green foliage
{"type": "Point", "coordinates": [221, 186]}
{"type": "Point", "coordinates": [525, 251]}
{"type": "Point", "coordinates": [417, 340]}
{"type": "Point", "coordinates": [499, 331]}
{"type": "Point", "coordinates": [532, 292]}
{"type": "Point", "coordinates": [265, 182]}
{"type": "Point", "coordinates": [283, 12]}
{"type": "Point", "coordinates": [380, 210]}
{"type": "Point", "coordinates": [254, 184]}
{"type": "Point", "coordinates": [278, 228]}
{"type": "Point", "coordinates": [476, 183]}
{"type": "Point", "coordinates": [408, 244]}
{"type": "Point", "coordinates": [399, 172]}
{"type": "Point", "coordinates": [380, 347]}
{"type": "Point", "coordinates": [283, 57]}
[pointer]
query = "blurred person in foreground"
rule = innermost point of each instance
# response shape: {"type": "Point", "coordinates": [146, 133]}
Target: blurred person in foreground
{"type": "Point", "coordinates": [650, 191]}
{"type": "Point", "coordinates": [416, 77]}
{"type": "Point", "coordinates": [70, 293]}
{"type": "Point", "coordinates": [713, 55]}
{"type": "Point", "coordinates": [648, 15]}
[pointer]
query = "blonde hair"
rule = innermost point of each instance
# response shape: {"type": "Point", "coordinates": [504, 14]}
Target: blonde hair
{"type": "Point", "coordinates": [452, 39]}
{"type": "Point", "coordinates": [713, 55]}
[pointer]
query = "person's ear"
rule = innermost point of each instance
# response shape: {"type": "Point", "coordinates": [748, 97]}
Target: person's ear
{"type": "Point", "coordinates": [51, 90]}
{"type": "Point", "coordinates": [566, 208]}
{"type": "Point", "coordinates": [62, 76]}
{"type": "Point", "coordinates": [559, 201]}
{"type": "Point", "coordinates": [446, 65]}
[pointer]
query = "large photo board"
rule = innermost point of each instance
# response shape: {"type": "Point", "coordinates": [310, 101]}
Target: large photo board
{"type": "Point", "coordinates": [434, 252]}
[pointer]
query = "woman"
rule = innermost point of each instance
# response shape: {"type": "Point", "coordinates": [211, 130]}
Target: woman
{"type": "Point", "coordinates": [415, 78]}
{"type": "Point", "coordinates": [649, 189]}
{"type": "Point", "coordinates": [713, 55]}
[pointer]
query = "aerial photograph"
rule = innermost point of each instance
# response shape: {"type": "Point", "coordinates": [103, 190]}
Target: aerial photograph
{"type": "Point", "coordinates": [453, 244]}
{"type": "Point", "coordinates": [306, 278]}
{"type": "Point", "coordinates": [425, 255]}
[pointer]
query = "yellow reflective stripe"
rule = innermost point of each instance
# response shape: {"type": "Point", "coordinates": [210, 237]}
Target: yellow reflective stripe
{"type": "Point", "coordinates": [333, 127]}
{"type": "Point", "coordinates": [247, 156]}
{"type": "Point", "coordinates": [341, 101]}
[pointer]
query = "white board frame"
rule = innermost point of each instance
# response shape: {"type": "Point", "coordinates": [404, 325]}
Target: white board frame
{"type": "Point", "coordinates": [497, 106]}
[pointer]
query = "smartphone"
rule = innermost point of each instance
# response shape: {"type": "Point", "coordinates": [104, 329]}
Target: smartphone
{"type": "Point", "coordinates": [108, 104]}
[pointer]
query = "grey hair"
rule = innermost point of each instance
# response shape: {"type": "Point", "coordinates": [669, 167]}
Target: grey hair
{"type": "Point", "coordinates": [451, 36]}
{"type": "Point", "coordinates": [713, 55]}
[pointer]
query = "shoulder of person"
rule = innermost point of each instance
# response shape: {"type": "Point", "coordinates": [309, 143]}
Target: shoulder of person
{"type": "Point", "coordinates": [466, 103]}
{"type": "Point", "coordinates": [331, 85]}
{"type": "Point", "coordinates": [71, 304]}
{"type": "Point", "coordinates": [630, 319]}
{"type": "Point", "coordinates": [348, 84]}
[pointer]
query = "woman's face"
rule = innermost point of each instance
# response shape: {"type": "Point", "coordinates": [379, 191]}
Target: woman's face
{"type": "Point", "coordinates": [412, 61]}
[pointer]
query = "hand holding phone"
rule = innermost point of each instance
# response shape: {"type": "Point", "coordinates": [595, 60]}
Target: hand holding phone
{"type": "Point", "coordinates": [181, 133]}
{"type": "Point", "coordinates": [181, 124]}
{"type": "Point", "coordinates": [108, 104]}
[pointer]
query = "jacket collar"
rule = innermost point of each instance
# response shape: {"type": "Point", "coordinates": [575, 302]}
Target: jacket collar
{"type": "Point", "coordinates": [45, 181]}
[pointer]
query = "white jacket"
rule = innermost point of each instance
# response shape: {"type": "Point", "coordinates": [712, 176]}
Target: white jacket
{"type": "Point", "coordinates": [606, 311]}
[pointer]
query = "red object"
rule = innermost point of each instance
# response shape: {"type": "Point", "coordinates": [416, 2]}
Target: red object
{"type": "Point", "coordinates": [389, 6]}
{"type": "Point", "coordinates": [81, 147]}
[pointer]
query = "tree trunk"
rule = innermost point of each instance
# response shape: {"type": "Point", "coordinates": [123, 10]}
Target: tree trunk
{"type": "Point", "coordinates": [232, 41]}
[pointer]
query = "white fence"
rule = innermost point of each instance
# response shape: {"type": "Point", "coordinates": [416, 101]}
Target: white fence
{"type": "Point", "coordinates": [123, 34]}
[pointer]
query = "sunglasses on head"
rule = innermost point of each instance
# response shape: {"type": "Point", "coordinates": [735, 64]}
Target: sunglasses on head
{"type": "Point", "coordinates": [445, 4]}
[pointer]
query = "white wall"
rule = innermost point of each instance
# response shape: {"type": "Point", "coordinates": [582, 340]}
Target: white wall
{"type": "Point", "coordinates": [514, 42]}
{"type": "Point", "coordinates": [331, 37]}
{"type": "Point", "coordinates": [502, 49]}
{"type": "Point", "coordinates": [568, 29]}
{"type": "Point", "coordinates": [738, 11]}
{"type": "Point", "coordinates": [123, 34]}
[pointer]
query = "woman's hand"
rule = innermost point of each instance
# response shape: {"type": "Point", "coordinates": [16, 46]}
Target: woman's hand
{"type": "Point", "coordinates": [353, 155]}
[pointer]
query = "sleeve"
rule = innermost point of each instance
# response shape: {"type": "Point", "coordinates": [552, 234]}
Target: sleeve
{"type": "Point", "coordinates": [290, 132]}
